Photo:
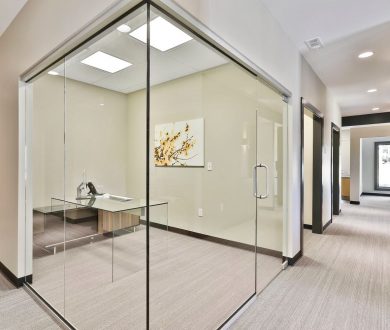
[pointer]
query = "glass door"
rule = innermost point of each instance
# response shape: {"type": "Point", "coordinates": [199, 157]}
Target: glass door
{"type": "Point", "coordinates": [270, 174]}
{"type": "Point", "coordinates": [203, 133]}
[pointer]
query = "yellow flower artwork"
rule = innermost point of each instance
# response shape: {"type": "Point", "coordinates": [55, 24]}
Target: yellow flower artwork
{"type": "Point", "coordinates": [179, 144]}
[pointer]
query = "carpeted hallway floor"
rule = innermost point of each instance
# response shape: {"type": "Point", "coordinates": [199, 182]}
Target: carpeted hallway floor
{"type": "Point", "coordinates": [342, 282]}
{"type": "Point", "coordinates": [19, 311]}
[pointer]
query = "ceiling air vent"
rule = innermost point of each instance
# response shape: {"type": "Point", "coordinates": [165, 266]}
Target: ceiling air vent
{"type": "Point", "coordinates": [314, 43]}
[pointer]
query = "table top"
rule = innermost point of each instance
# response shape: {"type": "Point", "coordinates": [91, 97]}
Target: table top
{"type": "Point", "coordinates": [110, 205]}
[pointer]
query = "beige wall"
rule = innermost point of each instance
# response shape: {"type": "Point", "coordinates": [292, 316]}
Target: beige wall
{"type": "Point", "coordinates": [316, 93]}
{"type": "Point", "coordinates": [273, 51]}
{"type": "Point", "coordinates": [96, 138]}
{"type": "Point", "coordinates": [109, 143]}
{"type": "Point", "coordinates": [357, 133]}
{"type": "Point", "coordinates": [38, 32]}
{"type": "Point", "coordinates": [227, 98]}
{"type": "Point", "coordinates": [35, 32]}
{"type": "Point", "coordinates": [308, 169]}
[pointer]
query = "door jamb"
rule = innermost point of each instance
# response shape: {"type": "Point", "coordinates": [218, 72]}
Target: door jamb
{"type": "Point", "coordinates": [334, 128]}
{"type": "Point", "coordinates": [317, 115]}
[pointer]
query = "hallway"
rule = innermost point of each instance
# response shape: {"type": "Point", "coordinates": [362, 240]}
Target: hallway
{"type": "Point", "coordinates": [341, 282]}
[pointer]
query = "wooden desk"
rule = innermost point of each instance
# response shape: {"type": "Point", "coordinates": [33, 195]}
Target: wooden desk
{"type": "Point", "coordinates": [111, 221]}
{"type": "Point", "coordinates": [112, 214]}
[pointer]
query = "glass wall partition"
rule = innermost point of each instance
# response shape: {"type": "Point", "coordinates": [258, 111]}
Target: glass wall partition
{"type": "Point", "coordinates": [105, 256]}
{"type": "Point", "coordinates": [105, 261]}
{"type": "Point", "coordinates": [47, 168]}
{"type": "Point", "coordinates": [89, 211]}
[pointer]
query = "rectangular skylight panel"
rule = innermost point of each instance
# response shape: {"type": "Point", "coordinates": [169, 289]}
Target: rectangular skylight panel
{"type": "Point", "coordinates": [106, 62]}
{"type": "Point", "coordinates": [163, 35]}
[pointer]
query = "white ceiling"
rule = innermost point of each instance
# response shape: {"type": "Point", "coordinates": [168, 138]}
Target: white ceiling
{"type": "Point", "coordinates": [8, 11]}
{"type": "Point", "coordinates": [347, 28]}
{"type": "Point", "coordinates": [180, 61]}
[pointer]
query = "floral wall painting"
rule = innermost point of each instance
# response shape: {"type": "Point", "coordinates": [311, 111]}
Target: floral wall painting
{"type": "Point", "coordinates": [179, 144]}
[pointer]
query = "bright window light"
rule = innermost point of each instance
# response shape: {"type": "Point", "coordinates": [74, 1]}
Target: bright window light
{"type": "Point", "coordinates": [53, 73]}
{"type": "Point", "coordinates": [163, 35]}
{"type": "Point", "coordinates": [105, 62]}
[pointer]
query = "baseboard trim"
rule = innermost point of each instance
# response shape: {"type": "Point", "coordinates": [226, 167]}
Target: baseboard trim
{"type": "Point", "coordinates": [327, 224]}
{"type": "Point", "coordinates": [306, 226]}
{"type": "Point", "coordinates": [354, 202]}
{"type": "Point", "coordinates": [375, 194]}
{"type": "Point", "coordinates": [293, 260]}
{"type": "Point", "coordinates": [16, 281]}
{"type": "Point", "coordinates": [223, 241]}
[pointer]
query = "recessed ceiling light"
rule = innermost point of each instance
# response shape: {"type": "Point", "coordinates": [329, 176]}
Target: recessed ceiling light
{"type": "Point", "coordinates": [375, 109]}
{"type": "Point", "coordinates": [124, 28]}
{"type": "Point", "coordinates": [373, 90]}
{"type": "Point", "coordinates": [366, 54]}
{"type": "Point", "coordinates": [163, 35]}
{"type": "Point", "coordinates": [53, 73]}
{"type": "Point", "coordinates": [105, 62]}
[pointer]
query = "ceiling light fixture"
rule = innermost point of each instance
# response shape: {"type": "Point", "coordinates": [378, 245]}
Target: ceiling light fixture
{"type": "Point", "coordinates": [124, 28]}
{"type": "Point", "coordinates": [366, 54]}
{"type": "Point", "coordinates": [105, 62]}
{"type": "Point", "coordinates": [373, 90]}
{"type": "Point", "coordinates": [163, 35]}
{"type": "Point", "coordinates": [375, 109]}
{"type": "Point", "coordinates": [53, 73]}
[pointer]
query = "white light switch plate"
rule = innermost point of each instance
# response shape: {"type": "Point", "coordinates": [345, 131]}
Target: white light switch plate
{"type": "Point", "coordinates": [209, 166]}
{"type": "Point", "coordinates": [200, 212]}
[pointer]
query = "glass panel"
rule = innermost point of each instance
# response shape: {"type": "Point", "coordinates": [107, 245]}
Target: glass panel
{"type": "Point", "coordinates": [211, 122]}
{"type": "Point", "coordinates": [271, 153]}
{"type": "Point", "coordinates": [203, 133]}
{"type": "Point", "coordinates": [105, 269]}
{"type": "Point", "coordinates": [47, 170]}
{"type": "Point", "coordinates": [383, 161]}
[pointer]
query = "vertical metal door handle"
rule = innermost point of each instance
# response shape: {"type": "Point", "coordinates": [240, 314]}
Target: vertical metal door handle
{"type": "Point", "coordinates": [266, 182]}
{"type": "Point", "coordinates": [255, 193]}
